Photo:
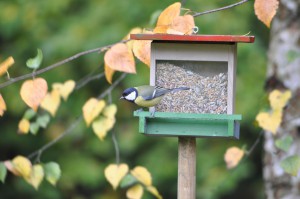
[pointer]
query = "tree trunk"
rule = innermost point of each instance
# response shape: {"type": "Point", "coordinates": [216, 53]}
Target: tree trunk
{"type": "Point", "coordinates": [284, 65]}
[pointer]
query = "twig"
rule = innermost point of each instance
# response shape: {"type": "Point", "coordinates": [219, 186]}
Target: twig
{"type": "Point", "coordinates": [47, 68]}
{"type": "Point", "coordinates": [87, 80]}
{"type": "Point", "coordinates": [220, 9]}
{"type": "Point", "coordinates": [49, 144]}
{"type": "Point", "coordinates": [113, 136]}
{"type": "Point", "coordinates": [255, 143]}
{"type": "Point", "coordinates": [73, 125]}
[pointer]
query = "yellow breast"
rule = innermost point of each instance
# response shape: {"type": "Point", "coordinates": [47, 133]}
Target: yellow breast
{"type": "Point", "coordinates": [147, 103]}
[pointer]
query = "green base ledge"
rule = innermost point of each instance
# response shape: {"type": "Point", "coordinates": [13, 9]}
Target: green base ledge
{"type": "Point", "coordinates": [189, 124]}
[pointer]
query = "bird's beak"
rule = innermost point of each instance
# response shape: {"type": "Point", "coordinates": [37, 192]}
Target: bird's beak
{"type": "Point", "coordinates": [121, 98]}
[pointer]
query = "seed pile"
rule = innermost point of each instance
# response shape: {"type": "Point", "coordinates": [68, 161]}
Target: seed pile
{"type": "Point", "coordinates": [207, 94]}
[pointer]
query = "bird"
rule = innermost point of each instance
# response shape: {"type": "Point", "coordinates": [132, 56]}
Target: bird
{"type": "Point", "coordinates": [147, 96]}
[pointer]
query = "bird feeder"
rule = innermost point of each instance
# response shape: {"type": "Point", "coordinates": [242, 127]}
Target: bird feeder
{"type": "Point", "coordinates": [207, 65]}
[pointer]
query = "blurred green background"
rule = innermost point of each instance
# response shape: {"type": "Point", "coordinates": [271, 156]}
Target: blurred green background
{"type": "Point", "coordinates": [62, 28]}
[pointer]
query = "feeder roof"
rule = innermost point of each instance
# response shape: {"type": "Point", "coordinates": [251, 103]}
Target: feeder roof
{"type": "Point", "coordinates": [195, 38]}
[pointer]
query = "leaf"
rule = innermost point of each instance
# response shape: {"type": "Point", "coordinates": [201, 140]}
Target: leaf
{"type": "Point", "coordinates": [167, 16]}
{"type": "Point", "coordinates": [29, 114]}
{"type": "Point", "coordinates": [110, 111]}
{"type": "Point", "coordinates": [135, 30]}
{"type": "Point", "coordinates": [52, 172]}
{"type": "Point", "coordinates": [284, 143]}
{"type": "Point", "coordinates": [22, 166]}
{"type": "Point", "coordinates": [6, 64]}
{"type": "Point", "coordinates": [34, 63]}
{"type": "Point", "coordinates": [233, 156]}
{"type": "Point", "coordinates": [135, 192]}
{"type": "Point", "coordinates": [43, 120]}
{"type": "Point", "coordinates": [128, 181]}
{"type": "Point", "coordinates": [34, 128]}
{"type": "Point", "coordinates": [154, 191]}
{"type": "Point", "coordinates": [291, 165]}
{"type": "Point", "coordinates": [270, 121]}
{"type": "Point", "coordinates": [91, 109]}
{"type": "Point", "coordinates": [64, 89]}
{"type": "Point", "coordinates": [51, 102]}
{"type": "Point", "coordinates": [278, 99]}
{"type": "Point", "coordinates": [37, 176]}
{"type": "Point", "coordinates": [120, 58]}
{"type": "Point", "coordinates": [109, 73]}
{"type": "Point", "coordinates": [183, 24]}
{"type": "Point", "coordinates": [3, 172]}
{"type": "Point", "coordinates": [142, 175]}
{"type": "Point", "coordinates": [142, 49]}
{"type": "Point", "coordinates": [24, 126]}
{"type": "Point", "coordinates": [102, 125]}
{"type": "Point", "coordinates": [265, 10]}
{"type": "Point", "coordinates": [114, 173]}
{"type": "Point", "coordinates": [2, 105]}
{"type": "Point", "coordinates": [33, 92]}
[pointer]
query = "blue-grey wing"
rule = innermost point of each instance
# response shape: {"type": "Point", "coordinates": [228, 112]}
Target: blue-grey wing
{"type": "Point", "coordinates": [151, 92]}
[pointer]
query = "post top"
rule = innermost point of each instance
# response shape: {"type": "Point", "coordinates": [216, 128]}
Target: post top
{"type": "Point", "coordinates": [195, 38]}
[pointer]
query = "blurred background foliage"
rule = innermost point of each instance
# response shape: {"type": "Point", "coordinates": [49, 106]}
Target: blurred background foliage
{"type": "Point", "coordinates": [62, 28]}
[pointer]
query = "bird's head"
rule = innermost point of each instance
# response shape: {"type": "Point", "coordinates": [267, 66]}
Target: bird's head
{"type": "Point", "coordinates": [130, 94]}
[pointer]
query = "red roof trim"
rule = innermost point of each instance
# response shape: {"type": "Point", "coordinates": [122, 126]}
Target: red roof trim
{"type": "Point", "coordinates": [195, 38]}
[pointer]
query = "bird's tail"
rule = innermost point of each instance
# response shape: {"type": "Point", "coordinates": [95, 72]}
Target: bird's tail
{"type": "Point", "coordinates": [180, 89]}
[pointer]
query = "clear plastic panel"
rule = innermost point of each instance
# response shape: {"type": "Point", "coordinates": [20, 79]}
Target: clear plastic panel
{"type": "Point", "coordinates": [207, 82]}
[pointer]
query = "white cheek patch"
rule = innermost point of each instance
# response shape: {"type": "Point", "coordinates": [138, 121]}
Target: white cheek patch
{"type": "Point", "coordinates": [131, 96]}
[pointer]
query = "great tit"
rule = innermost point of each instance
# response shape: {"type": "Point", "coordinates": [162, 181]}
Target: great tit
{"type": "Point", "coordinates": [147, 96]}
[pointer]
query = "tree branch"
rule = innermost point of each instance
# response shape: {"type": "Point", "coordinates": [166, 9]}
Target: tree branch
{"type": "Point", "coordinates": [74, 125]}
{"type": "Point", "coordinates": [43, 70]}
{"type": "Point", "coordinates": [220, 9]}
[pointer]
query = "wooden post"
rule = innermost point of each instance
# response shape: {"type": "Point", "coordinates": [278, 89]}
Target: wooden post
{"type": "Point", "coordinates": [186, 168]}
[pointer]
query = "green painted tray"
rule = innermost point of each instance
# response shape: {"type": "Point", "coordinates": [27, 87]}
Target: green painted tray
{"type": "Point", "coordinates": [188, 124]}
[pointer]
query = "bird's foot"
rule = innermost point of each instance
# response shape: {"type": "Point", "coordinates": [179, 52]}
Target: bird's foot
{"type": "Point", "coordinates": [152, 113]}
{"type": "Point", "coordinates": [139, 110]}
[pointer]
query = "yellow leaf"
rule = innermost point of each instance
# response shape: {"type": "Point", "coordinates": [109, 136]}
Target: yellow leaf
{"type": "Point", "coordinates": [233, 156]}
{"type": "Point", "coordinates": [183, 24]}
{"type": "Point", "coordinates": [265, 10]}
{"type": "Point", "coordinates": [64, 89]}
{"type": "Point", "coordinates": [36, 177]}
{"type": "Point", "coordinates": [91, 109]}
{"type": "Point", "coordinates": [278, 99]}
{"type": "Point", "coordinates": [270, 121]}
{"type": "Point", "coordinates": [142, 49]}
{"type": "Point", "coordinates": [51, 102]}
{"type": "Point", "coordinates": [110, 111]}
{"type": "Point", "coordinates": [102, 125]}
{"type": "Point", "coordinates": [8, 164]}
{"type": "Point", "coordinates": [114, 173]}
{"type": "Point", "coordinates": [135, 30]}
{"type": "Point", "coordinates": [2, 105]}
{"type": "Point", "coordinates": [22, 166]}
{"type": "Point", "coordinates": [6, 64]}
{"type": "Point", "coordinates": [120, 58]}
{"type": "Point", "coordinates": [24, 126]}
{"type": "Point", "coordinates": [142, 175]}
{"type": "Point", "coordinates": [167, 16]}
{"type": "Point", "coordinates": [154, 191]}
{"type": "Point", "coordinates": [109, 73]}
{"type": "Point", "coordinates": [33, 92]}
{"type": "Point", "coordinates": [135, 192]}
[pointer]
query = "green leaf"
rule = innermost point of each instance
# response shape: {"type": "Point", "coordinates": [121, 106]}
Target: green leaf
{"type": "Point", "coordinates": [52, 172]}
{"type": "Point", "coordinates": [35, 62]}
{"type": "Point", "coordinates": [128, 181]}
{"type": "Point", "coordinates": [284, 143]}
{"type": "Point", "coordinates": [34, 128]}
{"type": "Point", "coordinates": [29, 114]}
{"type": "Point", "coordinates": [43, 120]}
{"type": "Point", "coordinates": [291, 165]}
{"type": "Point", "coordinates": [3, 172]}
